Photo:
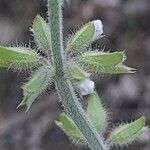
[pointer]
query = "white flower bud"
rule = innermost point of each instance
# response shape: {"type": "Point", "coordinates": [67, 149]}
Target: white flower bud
{"type": "Point", "coordinates": [98, 29]}
{"type": "Point", "coordinates": [86, 86]}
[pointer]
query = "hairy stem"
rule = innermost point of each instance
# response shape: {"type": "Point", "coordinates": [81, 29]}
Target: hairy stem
{"type": "Point", "coordinates": [64, 87]}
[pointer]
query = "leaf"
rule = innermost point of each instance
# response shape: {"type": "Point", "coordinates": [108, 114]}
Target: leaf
{"type": "Point", "coordinates": [28, 100]}
{"type": "Point", "coordinates": [102, 58]}
{"type": "Point", "coordinates": [77, 73]}
{"type": "Point", "coordinates": [101, 62]}
{"type": "Point", "coordinates": [68, 126]}
{"type": "Point", "coordinates": [4, 64]}
{"type": "Point", "coordinates": [125, 134]}
{"type": "Point", "coordinates": [88, 33]}
{"type": "Point", "coordinates": [41, 33]}
{"type": "Point", "coordinates": [35, 86]}
{"type": "Point", "coordinates": [97, 112]}
{"type": "Point", "coordinates": [18, 58]}
{"type": "Point", "coordinates": [119, 69]}
{"type": "Point", "coordinates": [36, 82]}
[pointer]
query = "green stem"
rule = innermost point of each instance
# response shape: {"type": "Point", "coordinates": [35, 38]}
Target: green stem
{"type": "Point", "coordinates": [64, 87]}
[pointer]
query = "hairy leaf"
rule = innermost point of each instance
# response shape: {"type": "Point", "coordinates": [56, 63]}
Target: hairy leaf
{"type": "Point", "coordinates": [36, 82]}
{"type": "Point", "coordinates": [102, 58]}
{"type": "Point", "coordinates": [68, 126]}
{"type": "Point", "coordinates": [119, 69]}
{"type": "Point", "coordinates": [18, 58]}
{"type": "Point", "coordinates": [35, 86]}
{"type": "Point", "coordinates": [4, 64]}
{"type": "Point", "coordinates": [125, 134]}
{"type": "Point", "coordinates": [41, 33]}
{"type": "Point", "coordinates": [88, 33]}
{"type": "Point", "coordinates": [28, 100]}
{"type": "Point", "coordinates": [101, 62]}
{"type": "Point", "coordinates": [77, 73]}
{"type": "Point", "coordinates": [97, 112]}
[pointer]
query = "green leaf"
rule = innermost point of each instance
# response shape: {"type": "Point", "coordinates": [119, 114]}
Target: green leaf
{"type": "Point", "coordinates": [41, 33]}
{"type": "Point", "coordinates": [4, 64]}
{"type": "Point", "coordinates": [82, 37]}
{"type": "Point", "coordinates": [18, 58]}
{"type": "Point", "coordinates": [35, 86]}
{"type": "Point", "coordinates": [28, 100]}
{"type": "Point", "coordinates": [101, 62]}
{"type": "Point", "coordinates": [97, 112]}
{"type": "Point", "coordinates": [87, 34]}
{"type": "Point", "coordinates": [36, 82]}
{"type": "Point", "coordinates": [119, 69]}
{"type": "Point", "coordinates": [125, 134]}
{"type": "Point", "coordinates": [68, 126]}
{"type": "Point", "coordinates": [102, 58]}
{"type": "Point", "coordinates": [77, 73]}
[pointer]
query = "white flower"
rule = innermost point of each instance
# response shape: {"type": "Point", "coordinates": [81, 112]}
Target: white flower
{"type": "Point", "coordinates": [86, 86]}
{"type": "Point", "coordinates": [98, 29]}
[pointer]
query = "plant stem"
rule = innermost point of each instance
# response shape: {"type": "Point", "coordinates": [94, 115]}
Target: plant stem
{"type": "Point", "coordinates": [63, 85]}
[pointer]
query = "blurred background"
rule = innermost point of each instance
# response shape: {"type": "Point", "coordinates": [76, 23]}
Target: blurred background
{"type": "Point", "coordinates": [127, 97]}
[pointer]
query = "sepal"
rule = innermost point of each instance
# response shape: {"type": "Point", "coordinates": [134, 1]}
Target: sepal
{"type": "Point", "coordinates": [19, 58]}
{"type": "Point", "coordinates": [125, 134]}
{"type": "Point", "coordinates": [36, 85]}
{"type": "Point", "coordinates": [88, 33]}
{"type": "Point", "coordinates": [77, 73]}
{"type": "Point", "coordinates": [102, 62]}
{"type": "Point", "coordinates": [97, 112]}
{"type": "Point", "coordinates": [41, 32]}
{"type": "Point", "coordinates": [70, 129]}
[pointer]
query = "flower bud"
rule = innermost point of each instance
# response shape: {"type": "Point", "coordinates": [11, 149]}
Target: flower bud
{"type": "Point", "coordinates": [88, 33]}
{"type": "Point", "coordinates": [86, 86]}
{"type": "Point", "coordinates": [98, 26]}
